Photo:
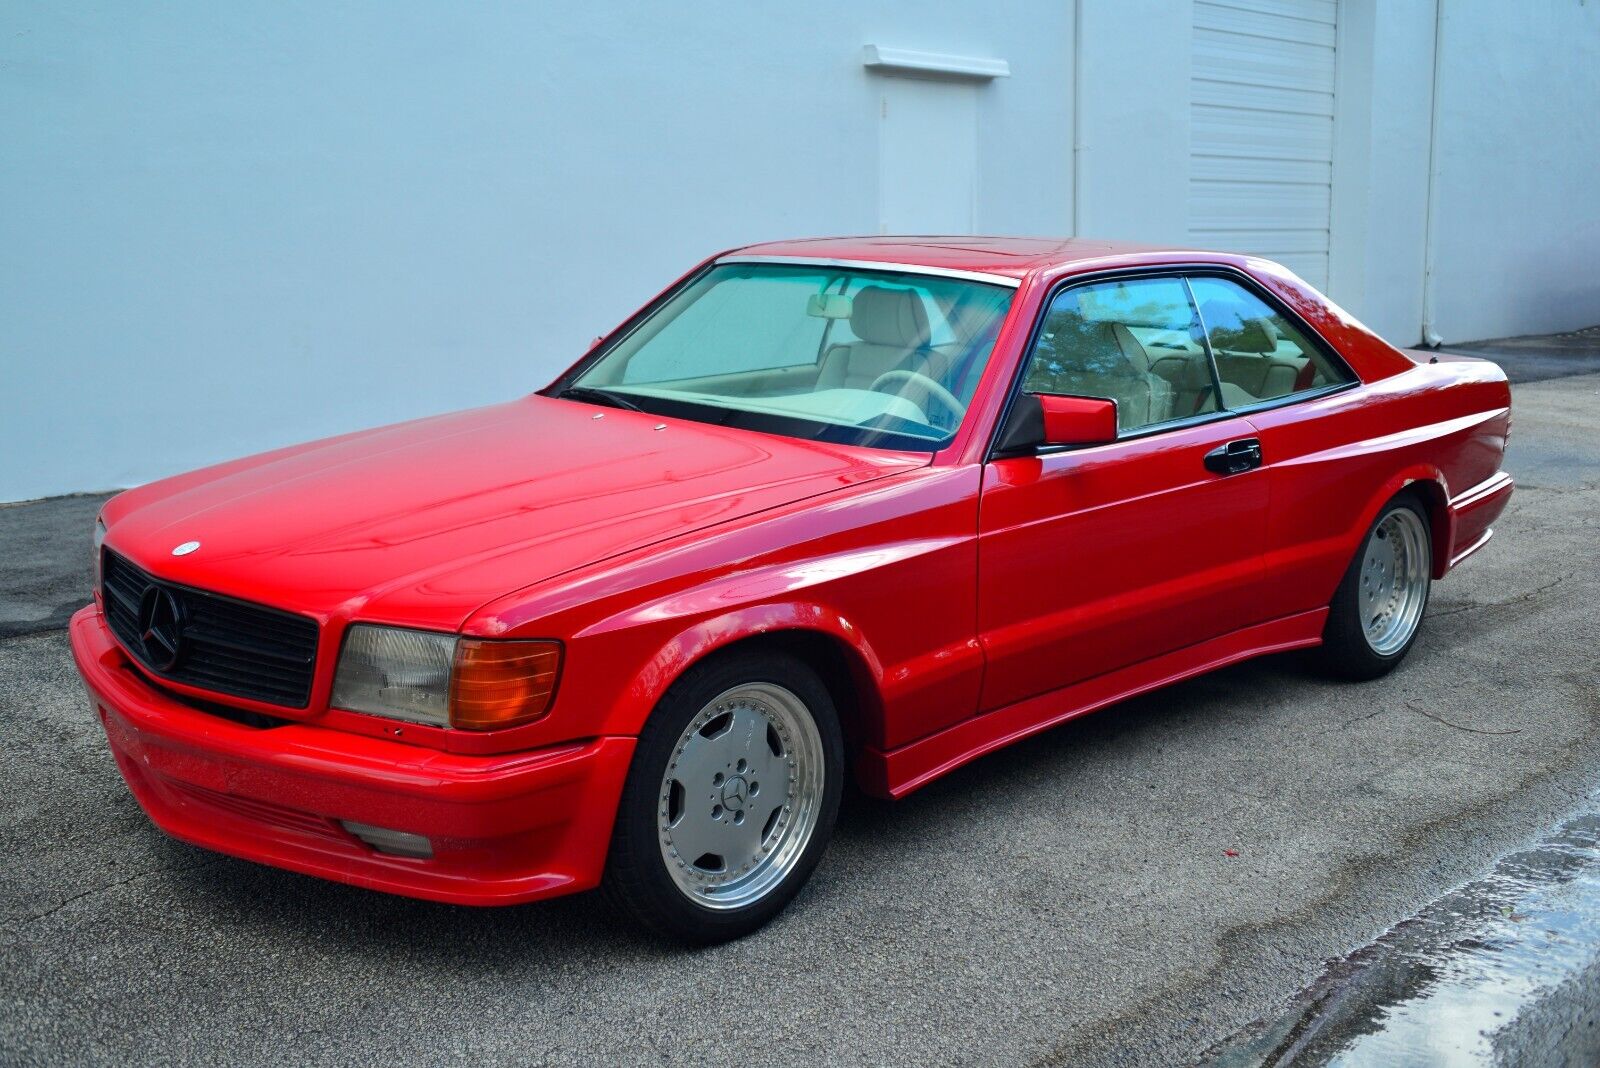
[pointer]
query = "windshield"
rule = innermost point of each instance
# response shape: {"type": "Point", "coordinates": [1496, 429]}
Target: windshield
{"type": "Point", "coordinates": [860, 357]}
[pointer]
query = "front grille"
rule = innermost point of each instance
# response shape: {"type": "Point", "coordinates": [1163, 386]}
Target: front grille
{"type": "Point", "coordinates": [231, 647]}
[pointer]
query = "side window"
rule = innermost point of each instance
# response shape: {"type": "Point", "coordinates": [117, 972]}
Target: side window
{"type": "Point", "coordinates": [1136, 342]}
{"type": "Point", "coordinates": [1260, 355]}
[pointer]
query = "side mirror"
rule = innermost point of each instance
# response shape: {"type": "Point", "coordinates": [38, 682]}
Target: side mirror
{"type": "Point", "coordinates": [1039, 419]}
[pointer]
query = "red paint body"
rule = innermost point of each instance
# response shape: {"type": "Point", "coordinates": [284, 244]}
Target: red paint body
{"type": "Point", "coordinates": [1106, 570]}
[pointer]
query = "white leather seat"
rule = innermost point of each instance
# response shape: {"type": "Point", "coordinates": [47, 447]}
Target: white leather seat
{"type": "Point", "coordinates": [892, 328]}
{"type": "Point", "coordinates": [1189, 374]}
{"type": "Point", "coordinates": [1104, 359]}
{"type": "Point", "coordinates": [1247, 355]}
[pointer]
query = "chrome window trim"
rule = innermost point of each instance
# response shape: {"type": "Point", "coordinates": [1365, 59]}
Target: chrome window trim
{"type": "Point", "coordinates": [877, 265]}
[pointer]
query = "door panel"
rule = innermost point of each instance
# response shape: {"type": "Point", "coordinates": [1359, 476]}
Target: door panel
{"type": "Point", "coordinates": [1097, 558]}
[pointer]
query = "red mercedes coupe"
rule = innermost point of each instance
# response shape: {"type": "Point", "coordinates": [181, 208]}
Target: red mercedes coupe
{"type": "Point", "coordinates": [865, 506]}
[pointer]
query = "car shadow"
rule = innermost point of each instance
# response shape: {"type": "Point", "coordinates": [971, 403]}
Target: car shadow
{"type": "Point", "coordinates": [1201, 703]}
{"type": "Point", "coordinates": [272, 902]}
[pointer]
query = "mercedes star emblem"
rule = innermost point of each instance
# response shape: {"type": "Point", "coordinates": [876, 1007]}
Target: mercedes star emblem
{"type": "Point", "coordinates": [161, 627]}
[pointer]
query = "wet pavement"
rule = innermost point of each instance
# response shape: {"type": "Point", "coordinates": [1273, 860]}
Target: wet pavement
{"type": "Point", "coordinates": [1504, 970]}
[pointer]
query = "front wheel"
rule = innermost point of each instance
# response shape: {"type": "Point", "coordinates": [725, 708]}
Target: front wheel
{"type": "Point", "coordinates": [1377, 611]}
{"type": "Point", "coordinates": [730, 800]}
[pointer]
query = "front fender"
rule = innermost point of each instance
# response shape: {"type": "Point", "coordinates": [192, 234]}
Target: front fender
{"type": "Point", "coordinates": [881, 579]}
{"type": "Point", "coordinates": [706, 636]}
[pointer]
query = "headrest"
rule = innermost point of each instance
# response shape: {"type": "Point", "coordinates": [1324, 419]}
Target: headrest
{"type": "Point", "coordinates": [1110, 351]}
{"type": "Point", "coordinates": [1096, 346]}
{"type": "Point", "coordinates": [1131, 348]}
{"type": "Point", "coordinates": [895, 317]}
{"type": "Point", "coordinates": [1232, 331]}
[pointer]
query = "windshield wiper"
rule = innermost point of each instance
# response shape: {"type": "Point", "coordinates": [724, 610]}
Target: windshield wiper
{"type": "Point", "coordinates": [599, 396]}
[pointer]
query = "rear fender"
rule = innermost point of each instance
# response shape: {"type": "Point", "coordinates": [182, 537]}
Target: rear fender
{"type": "Point", "coordinates": [1428, 482]}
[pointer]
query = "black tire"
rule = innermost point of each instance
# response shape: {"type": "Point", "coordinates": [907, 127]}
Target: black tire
{"type": "Point", "coordinates": [1346, 652]}
{"type": "Point", "coordinates": [637, 880]}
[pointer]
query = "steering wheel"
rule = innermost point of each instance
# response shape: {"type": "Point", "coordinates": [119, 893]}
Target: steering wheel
{"type": "Point", "coordinates": [928, 385]}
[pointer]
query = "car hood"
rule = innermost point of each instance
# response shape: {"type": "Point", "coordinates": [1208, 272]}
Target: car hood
{"type": "Point", "coordinates": [422, 522]}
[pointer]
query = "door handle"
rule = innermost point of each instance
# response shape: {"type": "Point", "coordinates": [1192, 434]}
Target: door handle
{"type": "Point", "coordinates": [1236, 457]}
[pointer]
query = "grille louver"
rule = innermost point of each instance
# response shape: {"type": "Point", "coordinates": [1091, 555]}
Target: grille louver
{"type": "Point", "coordinates": [229, 646]}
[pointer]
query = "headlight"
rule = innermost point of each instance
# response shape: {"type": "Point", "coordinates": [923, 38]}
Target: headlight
{"type": "Point", "coordinates": [445, 681]}
{"type": "Point", "coordinates": [99, 540]}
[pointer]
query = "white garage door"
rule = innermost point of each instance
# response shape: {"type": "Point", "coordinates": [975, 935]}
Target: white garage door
{"type": "Point", "coordinates": [1262, 132]}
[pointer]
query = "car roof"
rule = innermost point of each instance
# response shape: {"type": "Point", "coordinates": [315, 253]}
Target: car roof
{"type": "Point", "coordinates": [1012, 257]}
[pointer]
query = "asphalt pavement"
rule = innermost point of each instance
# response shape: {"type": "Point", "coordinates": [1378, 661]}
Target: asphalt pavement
{"type": "Point", "coordinates": [1072, 900]}
{"type": "Point", "coordinates": [1542, 356]}
{"type": "Point", "coordinates": [46, 563]}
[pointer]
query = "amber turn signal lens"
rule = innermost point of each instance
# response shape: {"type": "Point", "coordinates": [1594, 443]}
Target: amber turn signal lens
{"type": "Point", "coordinates": [502, 684]}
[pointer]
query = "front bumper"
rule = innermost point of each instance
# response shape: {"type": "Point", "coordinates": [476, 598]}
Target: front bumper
{"type": "Point", "coordinates": [504, 829]}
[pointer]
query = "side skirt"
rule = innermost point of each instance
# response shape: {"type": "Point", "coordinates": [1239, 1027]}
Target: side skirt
{"type": "Point", "coordinates": [900, 771]}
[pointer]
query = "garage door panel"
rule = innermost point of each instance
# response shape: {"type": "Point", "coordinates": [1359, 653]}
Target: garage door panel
{"type": "Point", "coordinates": [1325, 11]}
{"type": "Point", "coordinates": [1246, 169]}
{"type": "Point", "coordinates": [1260, 204]}
{"type": "Point", "coordinates": [1254, 61]}
{"type": "Point", "coordinates": [1224, 93]}
{"type": "Point", "coordinates": [1265, 134]}
{"type": "Point", "coordinates": [1269, 25]}
{"type": "Point", "coordinates": [1261, 129]}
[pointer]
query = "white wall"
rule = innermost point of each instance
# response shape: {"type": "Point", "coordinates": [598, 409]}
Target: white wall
{"type": "Point", "coordinates": [1516, 209]}
{"type": "Point", "coordinates": [1514, 239]}
{"type": "Point", "coordinates": [226, 228]}
{"type": "Point", "coordinates": [1380, 207]}
{"type": "Point", "coordinates": [1133, 120]}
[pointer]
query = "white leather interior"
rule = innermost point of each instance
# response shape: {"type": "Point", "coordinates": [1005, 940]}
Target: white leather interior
{"type": "Point", "coordinates": [1262, 377]}
{"type": "Point", "coordinates": [1251, 357]}
{"type": "Point", "coordinates": [1235, 397]}
{"type": "Point", "coordinates": [1113, 364]}
{"type": "Point", "coordinates": [892, 328]}
{"type": "Point", "coordinates": [1189, 374]}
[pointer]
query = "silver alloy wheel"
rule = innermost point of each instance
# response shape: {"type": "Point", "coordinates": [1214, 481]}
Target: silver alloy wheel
{"type": "Point", "coordinates": [740, 798]}
{"type": "Point", "coordinates": [1393, 584]}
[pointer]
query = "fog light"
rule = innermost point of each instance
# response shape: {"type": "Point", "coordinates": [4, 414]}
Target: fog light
{"type": "Point", "coordinates": [395, 843]}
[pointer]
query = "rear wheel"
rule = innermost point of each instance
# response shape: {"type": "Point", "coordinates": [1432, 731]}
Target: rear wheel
{"type": "Point", "coordinates": [1377, 611]}
{"type": "Point", "coordinates": [730, 801]}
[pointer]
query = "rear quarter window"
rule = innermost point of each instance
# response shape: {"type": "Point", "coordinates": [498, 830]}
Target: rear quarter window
{"type": "Point", "coordinates": [1260, 354]}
